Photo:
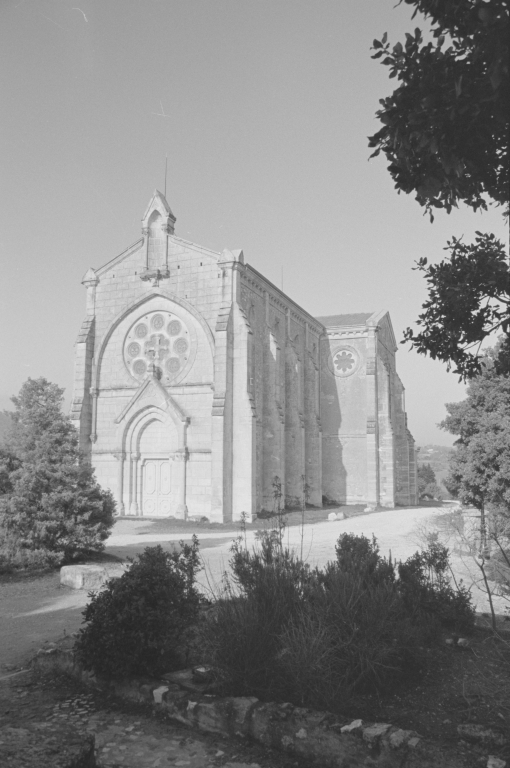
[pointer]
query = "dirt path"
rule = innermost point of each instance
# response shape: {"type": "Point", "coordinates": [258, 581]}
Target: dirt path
{"type": "Point", "coordinates": [33, 610]}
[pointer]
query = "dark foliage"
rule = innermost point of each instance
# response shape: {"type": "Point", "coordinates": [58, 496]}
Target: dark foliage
{"type": "Point", "coordinates": [469, 297]}
{"type": "Point", "coordinates": [427, 485]}
{"type": "Point", "coordinates": [360, 557]}
{"type": "Point", "coordinates": [8, 464]}
{"type": "Point", "coordinates": [445, 135]}
{"type": "Point", "coordinates": [136, 624]}
{"type": "Point", "coordinates": [445, 128]}
{"type": "Point", "coordinates": [52, 502]}
{"type": "Point", "coordinates": [425, 585]}
{"type": "Point", "coordinates": [317, 637]}
{"type": "Point", "coordinates": [480, 465]}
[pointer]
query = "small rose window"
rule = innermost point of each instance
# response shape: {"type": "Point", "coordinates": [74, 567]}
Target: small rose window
{"type": "Point", "coordinates": [343, 361]}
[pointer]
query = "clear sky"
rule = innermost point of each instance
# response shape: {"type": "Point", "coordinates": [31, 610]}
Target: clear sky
{"type": "Point", "coordinates": [263, 107]}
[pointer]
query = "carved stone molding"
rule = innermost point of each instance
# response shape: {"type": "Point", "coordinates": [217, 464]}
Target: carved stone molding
{"type": "Point", "coordinates": [344, 361]}
{"type": "Point", "coordinates": [371, 426]}
{"type": "Point", "coordinates": [371, 366]}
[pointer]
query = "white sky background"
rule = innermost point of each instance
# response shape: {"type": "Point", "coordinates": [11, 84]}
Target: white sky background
{"type": "Point", "coordinates": [269, 104]}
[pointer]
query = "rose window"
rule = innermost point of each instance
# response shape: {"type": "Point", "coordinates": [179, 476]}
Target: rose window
{"type": "Point", "coordinates": [161, 339]}
{"type": "Point", "coordinates": [344, 361]}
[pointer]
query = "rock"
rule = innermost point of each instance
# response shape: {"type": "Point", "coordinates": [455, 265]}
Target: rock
{"type": "Point", "coordinates": [157, 693]}
{"type": "Point", "coordinates": [373, 733]}
{"type": "Point", "coordinates": [450, 641]}
{"type": "Point", "coordinates": [495, 762]}
{"type": "Point", "coordinates": [354, 726]}
{"type": "Point", "coordinates": [463, 643]}
{"type": "Point", "coordinates": [332, 516]}
{"type": "Point", "coordinates": [475, 733]}
{"type": "Point", "coordinates": [301, 734]}
{"type": "Point", "coordinates": [185, 678]}
{"type": "Point", "coordinates": [400, 737]}
{"type": "Point", "coordinates": [203, 674]}
{"type": "Point", "coordinates": [89, 576]}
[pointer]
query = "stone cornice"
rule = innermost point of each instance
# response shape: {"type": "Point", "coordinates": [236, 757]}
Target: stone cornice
{"type": "Point", "coordinates": [252, 279]}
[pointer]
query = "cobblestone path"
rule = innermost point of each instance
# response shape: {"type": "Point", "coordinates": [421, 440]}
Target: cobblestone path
{"type": "Point", "coordinates": [38, 714]}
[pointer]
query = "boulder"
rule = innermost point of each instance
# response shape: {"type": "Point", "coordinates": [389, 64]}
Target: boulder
{"type": "Point", "coordinates": [89, 576]}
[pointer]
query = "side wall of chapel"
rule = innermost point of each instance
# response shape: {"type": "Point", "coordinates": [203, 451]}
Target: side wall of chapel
{"type": "Point", "coordinates": [283, 388]}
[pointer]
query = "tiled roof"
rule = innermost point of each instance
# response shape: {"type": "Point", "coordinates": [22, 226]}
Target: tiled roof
{"type": "Point", "coordinates": [358, 318]}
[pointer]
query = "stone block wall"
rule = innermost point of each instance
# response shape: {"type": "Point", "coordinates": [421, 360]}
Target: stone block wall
{"type": "Point", "coordinates": [258, 395]}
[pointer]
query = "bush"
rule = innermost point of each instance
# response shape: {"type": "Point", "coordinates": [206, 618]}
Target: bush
{"type": "Point", "coordinates": [359, 556]}
{"type": "Point", "coordinates": [350, 639]}
{"type": "Point", "coordinates": [429, 595]}
{"type": "Point", "coordinates": [14, 557]}
{"type": "Point", "coordinates": [137, 623]}
{"type": "Point", "coordinates": [317, 637]}
{"type": "Point", "coordinates": [242, 638]}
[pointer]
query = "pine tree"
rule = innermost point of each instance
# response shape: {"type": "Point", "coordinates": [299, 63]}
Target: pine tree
{"type": "Point", "coordinates": [427, 483]}
{"type": "Point", "coordinates": [480, 465]}
{"type": "Point", "coordinates": [53, 505]}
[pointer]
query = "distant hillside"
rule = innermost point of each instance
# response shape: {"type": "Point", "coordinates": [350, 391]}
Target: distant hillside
{"type": "Point", "coordinates": [5, 425]}
{"type": "Point", "coordinates": [437, 456]}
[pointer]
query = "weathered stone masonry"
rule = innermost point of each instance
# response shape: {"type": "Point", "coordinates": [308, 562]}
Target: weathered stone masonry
{"type": "Point", "coordinates": [200, 387]}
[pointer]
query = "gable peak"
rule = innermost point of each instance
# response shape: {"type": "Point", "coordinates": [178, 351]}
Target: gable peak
{"type": "Point", "coordinates": [158, 207]}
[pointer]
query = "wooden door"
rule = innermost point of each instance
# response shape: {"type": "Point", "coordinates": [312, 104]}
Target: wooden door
{"type": "Point", "coordinates": [156, 487]}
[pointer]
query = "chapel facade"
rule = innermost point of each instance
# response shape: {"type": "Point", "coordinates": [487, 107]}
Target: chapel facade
{"type": "Point", "coordinates": [202, 389]}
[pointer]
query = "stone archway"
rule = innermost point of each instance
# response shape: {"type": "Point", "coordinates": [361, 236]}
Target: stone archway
{"type": "Point", "coordinates": [153, 459]}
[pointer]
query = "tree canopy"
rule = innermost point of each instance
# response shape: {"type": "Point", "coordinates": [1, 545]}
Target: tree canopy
{"type": "Point", "coordinates": [445, 135]}
{"type": "Point", "coordinates": [52, 504]}
{"type": "Point", "coordinates": [427, 483]}
{"type": "Point", "coordinates": [480, 466]}
{"type": "Point", "coordinates": [445, 128]}
{"type": "Point", "coordinates": [469, 298]}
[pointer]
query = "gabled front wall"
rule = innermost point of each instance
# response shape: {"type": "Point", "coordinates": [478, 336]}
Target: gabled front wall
{"type": "Point", "coordinates": [192, 293]}
{"type": "Point", "coordinates": [368, 453]}
{"type": "Point", "coordinates": [344, 415]}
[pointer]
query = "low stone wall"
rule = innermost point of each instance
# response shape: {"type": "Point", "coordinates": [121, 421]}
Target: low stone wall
{"type": "Point", "coordinates": [321, 737]}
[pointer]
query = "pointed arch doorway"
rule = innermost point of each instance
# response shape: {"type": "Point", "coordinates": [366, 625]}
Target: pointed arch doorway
{"type": "Point", "coordinates": [159, 492]}
{"type": "Point", "coordinates": [155, 458]}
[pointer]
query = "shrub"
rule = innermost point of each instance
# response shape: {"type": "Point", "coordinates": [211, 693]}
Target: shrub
{"type": "Point", "coordinates": [242, 638]}
{"type": "Point", "coordinates": [136, 624]}
{"type": "Point", "coordinates": [317, 637]}
{"type": "Point", "coordinates": [14, 557]}
{"type": "Point", "coordinates": [359, 556]}
{"type": "Point", "coordinates": [429, 595]}
{"type": "Point", "coordinates": [350, 638]}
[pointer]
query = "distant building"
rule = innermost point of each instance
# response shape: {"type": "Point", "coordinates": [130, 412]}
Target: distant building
{"type": "Point", "coordinates": [200, 386]}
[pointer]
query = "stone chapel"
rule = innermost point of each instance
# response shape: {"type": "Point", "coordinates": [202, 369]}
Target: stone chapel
{"type": "Point", "coordinates": [200, 387]}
